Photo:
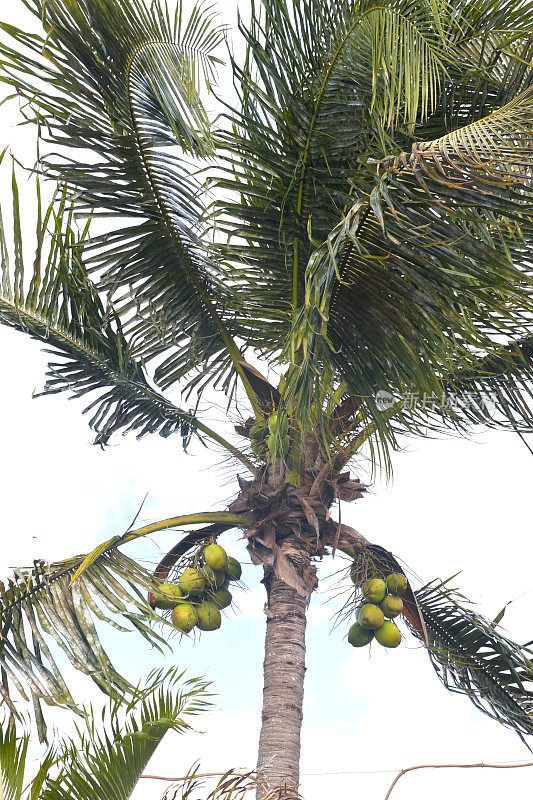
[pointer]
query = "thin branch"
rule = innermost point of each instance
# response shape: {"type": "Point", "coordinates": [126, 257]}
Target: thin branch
{"type": "Point", "coordinates": [453, 766]}
{"type": "Point", "coordinates": [196, 775]}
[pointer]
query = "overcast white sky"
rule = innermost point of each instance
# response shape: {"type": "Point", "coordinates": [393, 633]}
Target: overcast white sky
{"type": "Point", "coordinates": [453, 505]}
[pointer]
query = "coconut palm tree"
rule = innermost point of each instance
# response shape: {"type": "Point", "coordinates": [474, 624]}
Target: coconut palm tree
{"type": "Point", "coordinates": [357, 217]}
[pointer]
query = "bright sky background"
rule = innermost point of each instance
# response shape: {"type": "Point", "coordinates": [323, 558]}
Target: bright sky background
{"type": "Point", "coordinates": [453, 505]}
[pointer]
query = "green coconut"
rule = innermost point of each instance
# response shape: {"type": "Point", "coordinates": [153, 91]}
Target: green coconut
{"type": "Point", "coordinates": [214, 577]}
{"type": "Point", "coordinates": [191, 581]}
{"type": "Point", "coordinates": [396, 583]}
{"type": "Point", "coordinates": [272, 443]}
{"type": "Point", "coordinates": [370, 616]}
{"type": "Point", "coordinates": [392, 606]}
{"type": "Point", "coordinates": [209, 618]}
{"type": "Point", "coordinates": [258, 447]}
{"type": "Point", "coordinates": [167, 595]}
{"type": "Point", "coordinates": [233, 569]}
{"type": "Point", "coordinates": [215, 557]}
{"type": "Point", "coordinates": [221, 598]}
{"type": "Point", "coordinates": [374, 590]}
{"type": "Point", "coordinates": [388, 635]}
{"type": "Point", "coordinates": [258, 431]}
{"type": "Point", "coordinates": [358, 636]}
{"type": "Point", "coordinates": [184, 617]}
{"type": "Point", "coordinates": [273, 422]}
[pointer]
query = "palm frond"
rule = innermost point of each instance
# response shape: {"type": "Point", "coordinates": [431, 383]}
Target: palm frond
{"type": "Point", "coordinates": [471, 656]}
{"type": "Point", "coordinates": [60, 607]}
{"type": "Point", "coordinates": [43, 615]}
{"type": "Point", "coordinates": [59, 305]}
{"type": "Point", "coordinates": [498, 387]}
{"type": "Point", "coordinates": [429, 273]}
{"type": "Point", "coordinates": [320, 85]}
{"type": "Point", "coordinates": [492, 47]}
{"type": "Point", "coordinates": [105, 758]}
{"type": "Point", "coordinates": [14, 763]}
{"type": "Point", "coordinates": [122, 80]}
{"type": "Point", "coordinates": [107, 761]}
{"type": "Point", "coordinates": [13, 755]}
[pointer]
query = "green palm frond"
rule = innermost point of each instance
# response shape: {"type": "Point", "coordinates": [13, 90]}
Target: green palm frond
{"type": "Point", "coordinates": [428, 275]}
{"type": "Point", "coordinates": [502, 382]}
{"type": "Point", "coordinates": [58, 304]}
{"type": "Point", "coordinates": [122, 80]}
{"type": "Point", "coordinates": [13, 754]}
{"type": "Point", "coordinates": [106, 757]}
{"type": "Point", "coordinates": [494, 151]}
{"type": "Point", "coordinates": [489, 61]}
{"type": "Point", "coordinates": [106, 761]}
{"type": "Point", "coordinates": [471, 656]}
{"type": "Point", "coordinates": [54, 610]}
{"type": "Point", "coordinates": [46, 620]}
{"type": "Point", "coordinates": [320, 85]}
{"type": "Point", "coordinates": [14, 764]}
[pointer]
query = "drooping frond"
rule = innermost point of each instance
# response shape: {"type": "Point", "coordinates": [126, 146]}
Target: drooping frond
{"type": "Point", "coordinates": [495, 152]}
{"type": "Point", "coordinates": [47, 620]}
{"type": "Point", "coordinates": [504, 380]}
{"type": "Point", "coordinates": [59, 607]}
{"type": "Point", "coordinates": [122, 80]}
{"type": "Point", "coordinates": [471, 656]}
{"type": "Point", "coordinates": [56, 303]}
{"type": "Point", "coordinates": [106, 761]}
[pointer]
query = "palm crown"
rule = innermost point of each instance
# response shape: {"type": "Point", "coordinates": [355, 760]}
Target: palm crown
{"type": "Point", "coordinates": [360, 216]}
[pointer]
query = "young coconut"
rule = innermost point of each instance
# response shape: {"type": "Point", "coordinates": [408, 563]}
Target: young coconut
{"type": "Point", "coordinates": [221, 598]}
{"type": "Point", "coordinates": [192, 582]}
{"type": "Point", "coordinates": [213, 577]}
{"type": "Point", "coordinates": [233, 569]}
{"type": "Point", "coordinates": [258, 431]}
{"type": "Point", "coordinates": [392, 606]}
{"type": "Point", "coordinates": [167, 595]}
{"type": "Point", "coordinates": [388, 635]}
{"type": "Point", "coordinates": [374, 590]}
{"type": "Point", "coordinates": [184, 617]}
{"type": "Point", "coordinates": [273, 423]}
{"type": "Point", "coordinates": [209, 618]}
{"type": "Point", "coordinates": [358, 636]}
{"type": "Point", "coordinates": [215, 557]}
{"type": "Point", "coordinates": [370, 616]}
{"type": "Point", "coordinates": [396, 583]}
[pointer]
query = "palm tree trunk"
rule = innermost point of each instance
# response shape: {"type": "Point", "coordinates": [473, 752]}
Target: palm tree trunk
{"type": "Point", "coordinates": [284, 670]}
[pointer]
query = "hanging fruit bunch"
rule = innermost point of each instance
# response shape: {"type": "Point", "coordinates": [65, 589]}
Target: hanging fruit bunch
{"type": "Point", "coordinates": [201, 591]}
{"type": "Point", "coordinates": [381, 603]}
{"type": "Point", "coordinates": [270, 436]}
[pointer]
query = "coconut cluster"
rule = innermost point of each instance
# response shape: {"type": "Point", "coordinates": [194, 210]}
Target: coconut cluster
{"type": "Point", "coordinates": [380, 605]}
{"type": "Point", "coordinates": [201, 591]}
{"type": "Point", "coordinates": [270, 436]}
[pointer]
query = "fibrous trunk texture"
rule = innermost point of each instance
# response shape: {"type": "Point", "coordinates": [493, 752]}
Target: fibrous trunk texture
{"type": "Point", "coordinates": [284, 670]}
